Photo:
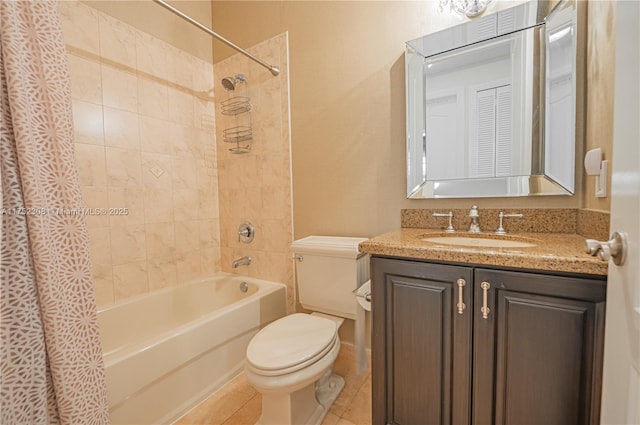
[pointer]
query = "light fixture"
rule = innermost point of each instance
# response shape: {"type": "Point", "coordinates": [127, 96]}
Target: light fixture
{"type": "Point", "coordinates": [468, 8]}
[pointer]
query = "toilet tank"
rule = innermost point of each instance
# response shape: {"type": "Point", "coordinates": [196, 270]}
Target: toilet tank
{"type": "Point", "coordinates": [328, 269]}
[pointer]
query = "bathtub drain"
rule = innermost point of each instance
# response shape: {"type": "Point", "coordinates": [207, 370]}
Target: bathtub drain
{"type": "Point", "coordinates": [244, 287]}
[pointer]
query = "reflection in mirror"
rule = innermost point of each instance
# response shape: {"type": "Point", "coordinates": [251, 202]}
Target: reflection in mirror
{"type": "Point", "coordinates": [478, 113]}
{"type": "Point", "coordinates": [477, 123]}
{"type": "Point", "coordinates": [560, 45]}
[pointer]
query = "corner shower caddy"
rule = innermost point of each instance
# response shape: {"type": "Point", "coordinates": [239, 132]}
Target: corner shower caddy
{"type": "Point", "coordinates": [241, 134]}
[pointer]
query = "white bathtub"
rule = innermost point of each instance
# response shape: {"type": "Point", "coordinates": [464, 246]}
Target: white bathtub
{"type": "Point", "coordinates": [166, 351]}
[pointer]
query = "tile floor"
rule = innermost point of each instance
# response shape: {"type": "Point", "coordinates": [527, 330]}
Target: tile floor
{"type": "Point", "coordinates": [237, 403]}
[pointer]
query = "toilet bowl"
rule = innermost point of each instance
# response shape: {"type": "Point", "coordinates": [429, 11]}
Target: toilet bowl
{"type": "Point", "coordinates": [290, 361]}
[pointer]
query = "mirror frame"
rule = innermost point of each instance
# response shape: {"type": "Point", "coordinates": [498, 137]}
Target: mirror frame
{"type": "Point", "coordinates": [535, 14]}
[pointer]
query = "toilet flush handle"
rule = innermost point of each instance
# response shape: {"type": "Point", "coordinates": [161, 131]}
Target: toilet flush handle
{"type": "Point", "coordinates": [366, 295]}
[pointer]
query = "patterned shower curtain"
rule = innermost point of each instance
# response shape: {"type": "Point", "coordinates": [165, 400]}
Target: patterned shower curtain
{"type": "Point", "coordinates": [51, 368]}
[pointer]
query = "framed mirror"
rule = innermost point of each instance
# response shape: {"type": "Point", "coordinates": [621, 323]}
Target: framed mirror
{"type": "Point", "coordinates": [491, 105]}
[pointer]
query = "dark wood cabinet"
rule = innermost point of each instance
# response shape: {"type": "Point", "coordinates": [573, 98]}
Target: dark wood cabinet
{"type": "Point", "coordinates": [538, 352]}
{"type": "Point", "coordinates": [420, 341]}
{"type": "Point", "coordinates": [525, 349]}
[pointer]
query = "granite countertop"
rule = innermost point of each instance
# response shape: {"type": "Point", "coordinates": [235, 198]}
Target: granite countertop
{"type": "Point", "coordinates": [560, 252]}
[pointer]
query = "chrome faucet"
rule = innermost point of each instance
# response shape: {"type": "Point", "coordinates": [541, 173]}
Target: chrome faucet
{"type": "Point", "coordinates": [475, 226]}
{"type": "Point", "coordinates": [242, 261]}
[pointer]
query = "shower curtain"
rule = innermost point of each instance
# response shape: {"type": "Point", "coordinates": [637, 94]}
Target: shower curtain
{"type": "Point", "coordinates": [51, 368]}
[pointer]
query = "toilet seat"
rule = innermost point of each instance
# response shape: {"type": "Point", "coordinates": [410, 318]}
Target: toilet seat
{"type": "Point", "coordinates": [290, 344]}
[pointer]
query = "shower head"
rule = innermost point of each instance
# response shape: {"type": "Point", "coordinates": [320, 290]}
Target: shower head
{"type": "Point", "coordinates": [229, 83]}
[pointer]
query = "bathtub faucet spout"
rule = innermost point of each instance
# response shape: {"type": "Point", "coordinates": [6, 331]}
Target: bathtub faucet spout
{"type": "Point", "coordinates": [242, 261]}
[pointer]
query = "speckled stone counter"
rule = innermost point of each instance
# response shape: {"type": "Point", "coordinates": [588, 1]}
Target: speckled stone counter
{"type": "Point", "coordinates": [588, 223]}
{"type": "Point", "coordinates": [552, 251]}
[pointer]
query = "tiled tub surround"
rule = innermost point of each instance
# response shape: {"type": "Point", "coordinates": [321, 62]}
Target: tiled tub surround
{"type": "Point", "coordinates": [145, 141]}
{"type": "Point", "coordinates": [557, 246]}
{"type": "Point", "coordinates": [256, 186]}
{"type": "Point", "coordinates": [167, 350]}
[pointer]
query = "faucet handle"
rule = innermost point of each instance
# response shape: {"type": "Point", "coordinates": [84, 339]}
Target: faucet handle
{"type": "Point", "coordinates": [246, 232]}
{"type": "Point", "coordinates": [449, 228]}
{"type": "Point", "coordinates": [474, 212]}
{"type": "Point", "coordinates": [500, 230]}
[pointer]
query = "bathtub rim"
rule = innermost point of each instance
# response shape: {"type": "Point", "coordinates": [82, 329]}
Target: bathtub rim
{"type": "Point", "coordinates": [265, 287]}
{"type": "Point", "coordinates": [138, 297]}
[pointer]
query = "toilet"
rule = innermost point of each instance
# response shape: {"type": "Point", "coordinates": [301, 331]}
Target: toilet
{"type": "Point", "coordinates": [290, 361]}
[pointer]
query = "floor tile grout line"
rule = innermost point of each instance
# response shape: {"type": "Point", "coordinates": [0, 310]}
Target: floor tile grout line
{"type": "Point", "coordinates": [216, 393]}
{"type": "Point", "coordinates": [239, 408]}
{"type": "Point", "coordinates": [226, 421]}
{"type": "Point", "coordinates": [352, 404]}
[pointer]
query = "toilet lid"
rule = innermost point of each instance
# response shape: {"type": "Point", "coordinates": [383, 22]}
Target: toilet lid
{"type": "Point", "coordinates": [291, 343]}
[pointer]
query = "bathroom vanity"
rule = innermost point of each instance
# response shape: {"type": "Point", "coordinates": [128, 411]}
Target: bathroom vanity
{"type": "Point", "coordinates": [485, 335]}
{"type": "Point", "coordinates": [470, 327]}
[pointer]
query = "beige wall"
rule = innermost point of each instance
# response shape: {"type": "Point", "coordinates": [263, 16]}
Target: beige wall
{"type": "Point", "coordinates": [601, 59]}
{"type": "Point", "coordinates": [162, 24]}
{"type": "Point", "coordinates": [347, 107]}
{"type": "Point", "coordinates": [256, 186]}
{"type": "Point", "coordinates": [145, 141]}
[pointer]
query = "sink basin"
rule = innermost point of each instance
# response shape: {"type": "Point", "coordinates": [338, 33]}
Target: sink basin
{"type": "Point", "coordinates": [481, 240]}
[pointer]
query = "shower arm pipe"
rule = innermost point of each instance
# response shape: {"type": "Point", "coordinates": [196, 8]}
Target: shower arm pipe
{"type": "Point", "coordinates": [273, 69]}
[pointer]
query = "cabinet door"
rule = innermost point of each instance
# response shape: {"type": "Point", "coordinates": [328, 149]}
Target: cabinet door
{"type": "Point", "coordinates": [421, 344]}
{"type": "Point", "coordinates": [537, 349]}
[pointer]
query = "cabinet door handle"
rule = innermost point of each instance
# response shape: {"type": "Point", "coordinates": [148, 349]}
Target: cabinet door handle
{"type": "Point", "coordinates": [461, 305]}
{"type": "Point", "coordinates": [485, 295]}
